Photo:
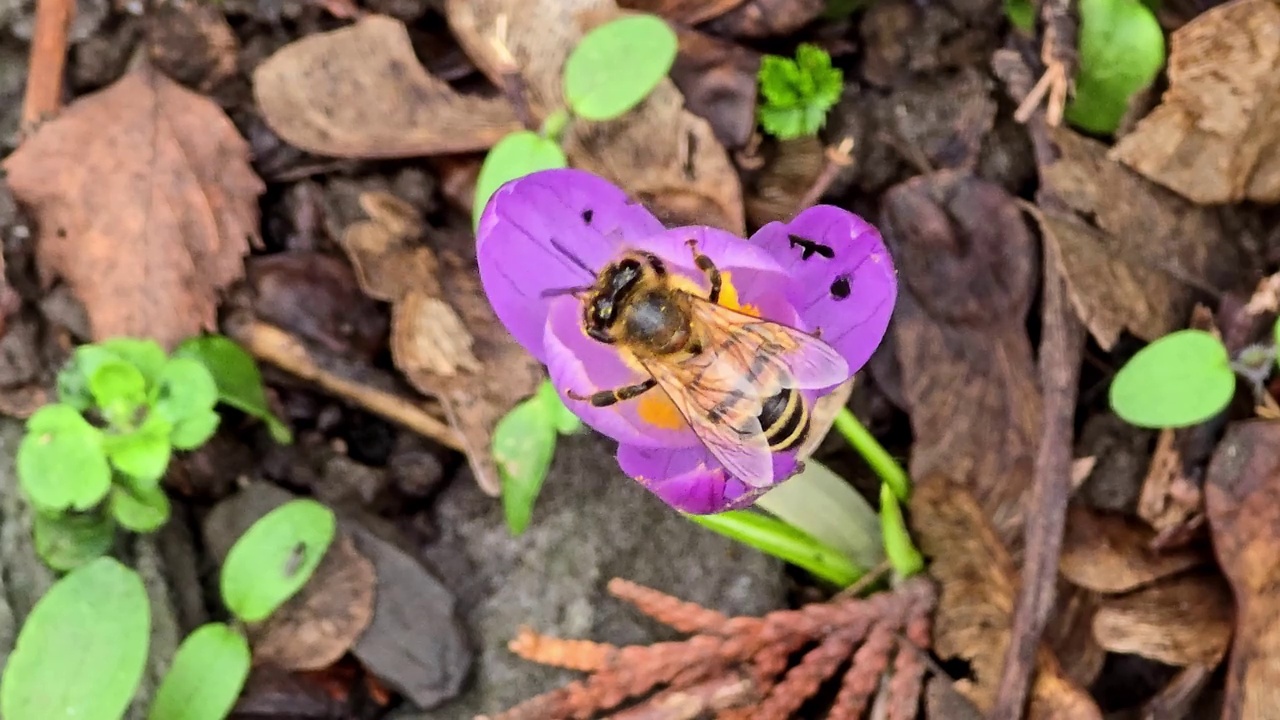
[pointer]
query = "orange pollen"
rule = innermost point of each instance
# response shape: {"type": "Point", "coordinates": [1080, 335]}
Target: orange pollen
{"type": "Point", "coordinates": [729, 296]}
{"type": "Point", "coordinates": [656, 409]}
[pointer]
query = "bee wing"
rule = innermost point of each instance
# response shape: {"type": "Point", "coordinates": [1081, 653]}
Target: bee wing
{"type": "Point", "coordinates": [772, 355]}
{"type": "Point", "coordinates": [722, 407]}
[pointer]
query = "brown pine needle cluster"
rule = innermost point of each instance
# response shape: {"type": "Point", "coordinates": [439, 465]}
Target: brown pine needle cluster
{"type": "Point", "coordinates": [744, 668]}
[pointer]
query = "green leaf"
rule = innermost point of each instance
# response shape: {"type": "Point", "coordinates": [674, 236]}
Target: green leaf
{"type": "Point", "coordinates": [66, 542]}
{"type": "Point", "coordinates": [822, 505]}
{"type": "Point", "coordinates": [145, 355]}
{"type": "Point", "coordinates": [260, 572]}
{"type": "Point", "coordinates": [796, 94]}
{"type": "Point", "coordinates": [61, 463]}
{"type": "Point", "coordinates": [523, 443]}
{"type": "Point", "coordinates": [237, 378]}
{"type": "Point", "coordinates": [81, 653]}
{"type": "Point", "coordinates": [515, 156]}
{"type": "Point", "coordinates": [140, 509]}
{"type": "Point", "coordinates": [206, 676]}
{"type": "Point", "coordinates": [1121, 52]}
{"type": "Point", "coordinates": [1180, 380]}
{"type": "Point", "coordinates": [617, 64]}
{"type": "Point", "coordinates": [1021, 14]}
{"type": "Point", "coordinates": [903, 556]}
{"type": "Point", "coordinates": [119, 389]}
{"type": "Point", "coordinates": [186, 388]}
{"type": "Point", "coordinates": [565, 422]}
{"type": "Point", "coordinates": [1275, 336]}
{"type": "Point", "coordinates": [777, 538]}
{"type": "Point", "coordinates": [144, 453]}
{"type": "Point", "coordinates": [192, 432]}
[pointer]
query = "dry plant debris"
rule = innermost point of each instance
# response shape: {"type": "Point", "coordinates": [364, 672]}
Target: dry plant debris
{"type": "Point", "coordinates": [1110, 553]}
{"type": "Point", "coordinates": [977, 581]}
{"type": "Point", "coordinates": [687, 12]}
{"type": "Point", "coordinates": [1242, 500]}
{"type": "Point", "coordinates": [663, 155]}
{"type": "Point", "coordinates": [444, 336]}
{"type": "Point", "coordinates": [360, 92]}
{"type": "Point", "coordinates": [1136, 265]}
{"type": "Point", "coordinates": [146, 205]}
{"type": "Point", "coordinates": [1215, 137]}
{"type": "Point", "coordinates": [739, 668]}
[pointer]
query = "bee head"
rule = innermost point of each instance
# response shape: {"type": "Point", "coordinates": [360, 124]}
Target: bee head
{"type": "Point", "coordinates": [603, 304]}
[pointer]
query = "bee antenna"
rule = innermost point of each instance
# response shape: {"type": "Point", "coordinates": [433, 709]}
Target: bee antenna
{"type": "Point", "coordinates": [554, 292]}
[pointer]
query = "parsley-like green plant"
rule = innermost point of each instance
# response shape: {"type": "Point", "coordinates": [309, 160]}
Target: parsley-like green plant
{"type": "Point", "coordinates": [93, 460]}
{"type": "Point", "coordinates": [797, 94]}
{"type": "Point", "coordinates": [596, 89]}
{"type": "Point", "coordinates": [98, 618]}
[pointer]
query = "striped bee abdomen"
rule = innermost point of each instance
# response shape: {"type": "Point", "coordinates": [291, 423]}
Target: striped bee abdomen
{"type": "Point", "coordinates": [785, 420]}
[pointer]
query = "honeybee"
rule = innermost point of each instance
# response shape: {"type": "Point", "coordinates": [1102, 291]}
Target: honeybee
{"type": "Point", "coordinates": [735, 378]}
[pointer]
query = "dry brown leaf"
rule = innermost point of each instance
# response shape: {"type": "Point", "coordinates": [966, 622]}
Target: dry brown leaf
{"type": "Point", "coordinates": [765, 18]}
{"type": "Point", "coordinates": [1242, 501]}
{"type": "Point", "coordinates": [661, 154]}
{"type": "Point", "coordinates": [146, 204]}
{"type": "Point", "coordinates": [1137, 265]}
{"type": "Point", "coordinates": [1215, 137]}
{"type": "Point", "coordinates": [1181, 621]}
{"type": "Point", "coordinates": [790, 169]}
{"type": "Point", "coordinates": [687, 12]}
{"type": "Point", "coordinates": [444, 336]}
{"type": "Point", "coordinates": [718, 80]}
{"type": "Point", "coordinates": [317, 626]}
{"type": "Point", "coordinates": [360, 92]}
{"type": "Point", "coordinates": [975, 603]}
{"type": "Point", "coordinates": [1111, 554]}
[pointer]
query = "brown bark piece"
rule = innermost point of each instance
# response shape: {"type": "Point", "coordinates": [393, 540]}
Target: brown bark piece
{"type": "Point", "coordinates": [1181, 621]}
{"type": "Point", "coordinates": [661, 154]}
{"type": "Point", "coordinates": [1215, 137]}
{"type": "Point", "coordinates": [360, 92]}
{"type": "Point", "coordinates": [1112, 554]}
{"type": "Point", "coordinates": [444, 336]}
{"type": "Point", "coordinates": [1137, 265]}
{"type": "Point", "coordinates": [977, 582]}
{"type": "Point", "coordinates": [146, 205]}
{"type": "Point", "coordinates": [1242, 501]}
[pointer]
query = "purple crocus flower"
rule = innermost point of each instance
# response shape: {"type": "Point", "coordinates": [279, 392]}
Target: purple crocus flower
{"type": "Point", "coordinates": [548, 231]}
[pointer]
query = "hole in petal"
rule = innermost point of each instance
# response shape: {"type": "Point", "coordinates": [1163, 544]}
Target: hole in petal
{"type": "Point", "coordinates": [809, 248]}
{"type": "Point", "coordinates": [840, 289]}
{"type": "Point", "coordinates": [587, 215]}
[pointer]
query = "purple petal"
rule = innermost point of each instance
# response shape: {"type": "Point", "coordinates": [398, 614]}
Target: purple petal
{"type": "Point", "coordinates": [692, 481]}
{"type": "Point", "coordinates": [842, 279]}
{"type": "Point", "coordinates": [550, 230]}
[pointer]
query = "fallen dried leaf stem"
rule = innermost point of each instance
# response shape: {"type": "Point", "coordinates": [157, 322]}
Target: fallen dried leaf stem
{"type": "Point", "coordinates": [47, 60]}
{"type": "Point", "coordinates": [839, 157]}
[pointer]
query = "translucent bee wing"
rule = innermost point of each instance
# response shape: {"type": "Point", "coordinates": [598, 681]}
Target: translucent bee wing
{"type": "Point", "coordinates": [773, 355]}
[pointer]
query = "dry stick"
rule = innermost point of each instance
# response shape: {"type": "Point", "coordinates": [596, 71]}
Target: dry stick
{"type": "Point", "coordinates": [1061, 350]}
{"type": "Point", "coordinates": [1058, 53]}
{"type": "Point", "coordinates": [512, 81]}
{"type": "Point", "coordinates": [839, 156]}
{"type": "Point", "coordinates": [47, 61]}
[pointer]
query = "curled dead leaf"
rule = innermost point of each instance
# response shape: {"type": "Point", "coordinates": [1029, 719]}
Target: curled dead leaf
{"type": "Point", "coordinates": [718, 80]}
{"type": "Point", "coordinates": [1181, 621]}
{"type": "Point", "coordinates": [360, 92]}
{"type": "Point", "coordinates": [766, 18]}
{"type": "Point", "coordinates": [146, 205]}
{"type": "Point", "coordinates": [1111, 554]}
{"type": "Point", "coordinates": [977, 582]}
{"type": "Point", "coordinates": [687, 12]}
{"type": "Point", "coordinates": [317, 626]}
{"type": "Point", "coordinates": [1136, 266]}
{"type": "Point", "coordinates": [1215, 137]}
{"type": "Point", "coordinates": [660, 153]}
{"type": "Point", "coordinates": [1242, 501]}
{"type": "Point", "coordinates": [444, 336]}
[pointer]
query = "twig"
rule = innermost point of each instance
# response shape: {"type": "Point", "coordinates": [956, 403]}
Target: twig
{"type": "Point", "coordinates": [839, 156]}
{"type": "Point", "coordinates": [273, 345]}
{"type": "Point", "coordinates": [512, 81]}
{"type": "Point", "coordinates": [1058, 53]}
{"type": "Point", "coordinates": [48, 59]}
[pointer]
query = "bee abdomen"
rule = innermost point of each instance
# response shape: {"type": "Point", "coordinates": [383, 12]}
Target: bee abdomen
{"type": "Point", "coordinates": [785, 420]}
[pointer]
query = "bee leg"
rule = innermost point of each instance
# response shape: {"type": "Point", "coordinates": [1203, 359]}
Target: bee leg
{"type": "Point", "coordinates": [605, 398]}
{"type": "Point", "coordinates": [706, 265]}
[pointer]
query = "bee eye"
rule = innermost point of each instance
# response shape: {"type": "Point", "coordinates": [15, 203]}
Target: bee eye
{"type": "Point", "coordinates": [606, 313]}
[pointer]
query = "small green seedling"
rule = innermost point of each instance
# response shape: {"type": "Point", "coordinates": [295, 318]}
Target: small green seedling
{"type": "Point", "coordinates": [596, 89]}
{"type": "Point", "coordinates": [1180, 380]}
{"type": "Point", "coordinates": [98, 618]}
{"type": "Point", "coordinates": [524, 442]}
{"type": "Point", "coordinates": [94, 460]}
{"type": "Point", "coordinates": [1121, 52]}
{"type": "Point", "coordinates": [797, 94]}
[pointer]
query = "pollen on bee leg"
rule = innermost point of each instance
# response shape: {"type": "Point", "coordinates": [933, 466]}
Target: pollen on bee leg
{"type": "Point", "coordinates": [729, 296]}
{"type": "Point", "coordinates": [656, 409]}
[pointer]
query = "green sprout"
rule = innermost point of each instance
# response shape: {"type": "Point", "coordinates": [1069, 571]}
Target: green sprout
{"type": "Point", "coordinates": [1182, 379]}
{"type": "Point", "coordinates": [93, 461]}
{"type": "Point", "coordinates": [524, 442]}
{"type": "Point", "coordinates": [798, 93]}
{"type": "Point", "coordinates": [1121, 52]}
{"type": "Point", "coordinates": [594, 91]}
{"type": "Point", "coordinates": [98, 616]}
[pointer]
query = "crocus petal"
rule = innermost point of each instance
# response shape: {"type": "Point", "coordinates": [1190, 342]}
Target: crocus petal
{"type": "Point", "coordinates": [690, 480]}
{"type": "Point", "coordinates": [546, 231]}
{"type": "Point", "coordinates": [578, 363]}
{"type": "Point", "coordinates": [841, 277]}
